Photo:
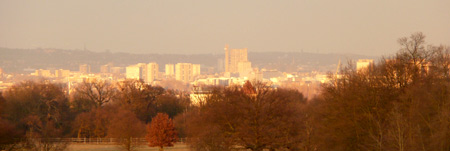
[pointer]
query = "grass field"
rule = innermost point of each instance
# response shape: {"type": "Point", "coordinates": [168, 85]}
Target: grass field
{"type": "Point", "coordinates": [103, 147]}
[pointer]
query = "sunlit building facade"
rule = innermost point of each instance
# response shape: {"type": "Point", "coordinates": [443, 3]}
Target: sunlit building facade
{"type": "Point", "coordinates": [134, 72]}
{"type": "Point", "coordinates": [363, 64]}
{"type": "Point", "coordinates": [184, 72]}
{"type": "Point", "coordinates": [61, 73]}
{"type": "Point", "coordinates": [196, 69]}
{"type": "Point", "coordinates": [85, 69]}
{"type": "Point", "coordinates": [170, 70]}
{"type": "Point", "coordinates": [233, 57]}
{"type": "Point", "coordinates": [152, 72]}
{"type": "Point", "coordinates": [244, 68]}
{"type": "Point", "coordinates": [105, 68]}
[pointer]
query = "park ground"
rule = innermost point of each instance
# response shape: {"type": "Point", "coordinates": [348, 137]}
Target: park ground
{"type": "Point", "coordinates": [106, 147]}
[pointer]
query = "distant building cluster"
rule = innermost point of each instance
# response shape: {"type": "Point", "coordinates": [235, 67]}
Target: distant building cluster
{"type": "Point", "coordinates": [233, 69]}
{"type": "Point", "coordinates": [150, 73]}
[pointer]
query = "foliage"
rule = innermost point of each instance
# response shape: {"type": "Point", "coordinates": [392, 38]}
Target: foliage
{"type": "Point", "coordinates": [9, 135]}
{"type": "Point", "coordinates": [256, 119]}
{"type": "Point", "coordinates": [37, 113]}
{"type": "Point", "coordinates": [161, 131]}
{"type": "Point", "coordinates": [171, 105]}
{"type": "Point", "coordinates": [43, 99]}
{"type": "Point", "coordinates": [43, 137]}
{"type": "Point", "coordinates": [92, 124]}
{"type": "Point", "coordinates": [399, 104]}
{"type": "Point", "coordinates": [140, 98]}
{"type": "Point", "coordinates": [38, 109]}
{"type": "Point", "coordinates": [124, 126]}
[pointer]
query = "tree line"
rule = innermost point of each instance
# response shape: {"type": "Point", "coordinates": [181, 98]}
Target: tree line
{"type": "Point", "coordinates": [399, 103]}
{"type": "Point", "coordinates": [35, 114]}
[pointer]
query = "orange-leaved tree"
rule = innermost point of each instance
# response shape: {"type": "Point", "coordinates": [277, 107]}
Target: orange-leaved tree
{"type": "Point", "coordinates": [161, 132]}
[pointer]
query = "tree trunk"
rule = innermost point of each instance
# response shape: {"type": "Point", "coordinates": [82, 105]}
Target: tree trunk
{"type": "Point", "coordinates": [128, 143]}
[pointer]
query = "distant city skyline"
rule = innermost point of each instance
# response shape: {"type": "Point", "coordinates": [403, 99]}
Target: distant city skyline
{"type": "Point", "coordinates": [203, 26]}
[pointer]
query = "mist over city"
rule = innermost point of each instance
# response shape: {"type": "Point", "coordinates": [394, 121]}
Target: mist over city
{"type": "Point", "coordinates": [198, 75]}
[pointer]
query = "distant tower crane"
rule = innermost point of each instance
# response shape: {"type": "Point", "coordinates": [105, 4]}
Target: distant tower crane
{"type": "Point", "coordinates": [338, 66]}
{"type": "Point", "coordinates": [336, 73]}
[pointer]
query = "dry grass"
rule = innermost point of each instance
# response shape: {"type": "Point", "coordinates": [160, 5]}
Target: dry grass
{"type": "Point", "coordinates": [103, 147]}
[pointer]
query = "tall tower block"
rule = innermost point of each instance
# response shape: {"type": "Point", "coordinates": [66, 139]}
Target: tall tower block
{"type": "Point", "coordinates": [233, 57]}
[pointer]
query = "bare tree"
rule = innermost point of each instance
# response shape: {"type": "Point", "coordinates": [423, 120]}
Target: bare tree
{"type": "Point", "coordinates": [97, 91]}
{"type": "Point", "coordinates": [413, 49]}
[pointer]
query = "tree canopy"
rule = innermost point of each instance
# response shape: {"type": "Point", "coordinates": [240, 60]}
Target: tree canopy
{"type": "Point", "coordinates": [161, 132]}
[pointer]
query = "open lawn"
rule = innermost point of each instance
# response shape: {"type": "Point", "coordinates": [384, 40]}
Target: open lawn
{"type": "Point", "coordinates": [106, 147]}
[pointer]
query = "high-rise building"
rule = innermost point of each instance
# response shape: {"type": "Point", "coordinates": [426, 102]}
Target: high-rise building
{"type": "Point", "coordinates": [43, 73]}
{"type": "Point", "coordinates": [170, 70]}
{"type": "Point", "coordinates": [183, 72]}
{"type": "Point", "coordinates": [143, 67]}
{"type": "Point", "coordinates": [196, 69]}
{"type": "Point", "coordinates": [61, 73]}
{"type": "Point", "coordinates": [220, 65]}
{"type": "Point", "coordinates": [363, 64]}
{"type": "Point", "coordinates": [116, 70]}
{"type": "Point", "coordinates": [1, 72]}
{"type": "Point", "coordinates": [152, 72]}
{"type": "Point", "coordinates": [233, 57]}
{"type": "Point", "coordinates": [134, 72]}
{"type": "Point", "coordinates": [244, 68]}
{"type": "Point", "coordinates": [105, 68]}
{"type": "Point", "coordinates": [137, 71]}
{"type": "Point", "coordinates": [85, 69]}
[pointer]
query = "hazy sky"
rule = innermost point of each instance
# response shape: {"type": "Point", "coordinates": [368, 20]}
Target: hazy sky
{"type": "Point", "coordinates": [204, 26]}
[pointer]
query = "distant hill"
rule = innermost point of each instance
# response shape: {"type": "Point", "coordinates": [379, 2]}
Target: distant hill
{"type": "Point", "coordinates": [18, 60]}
